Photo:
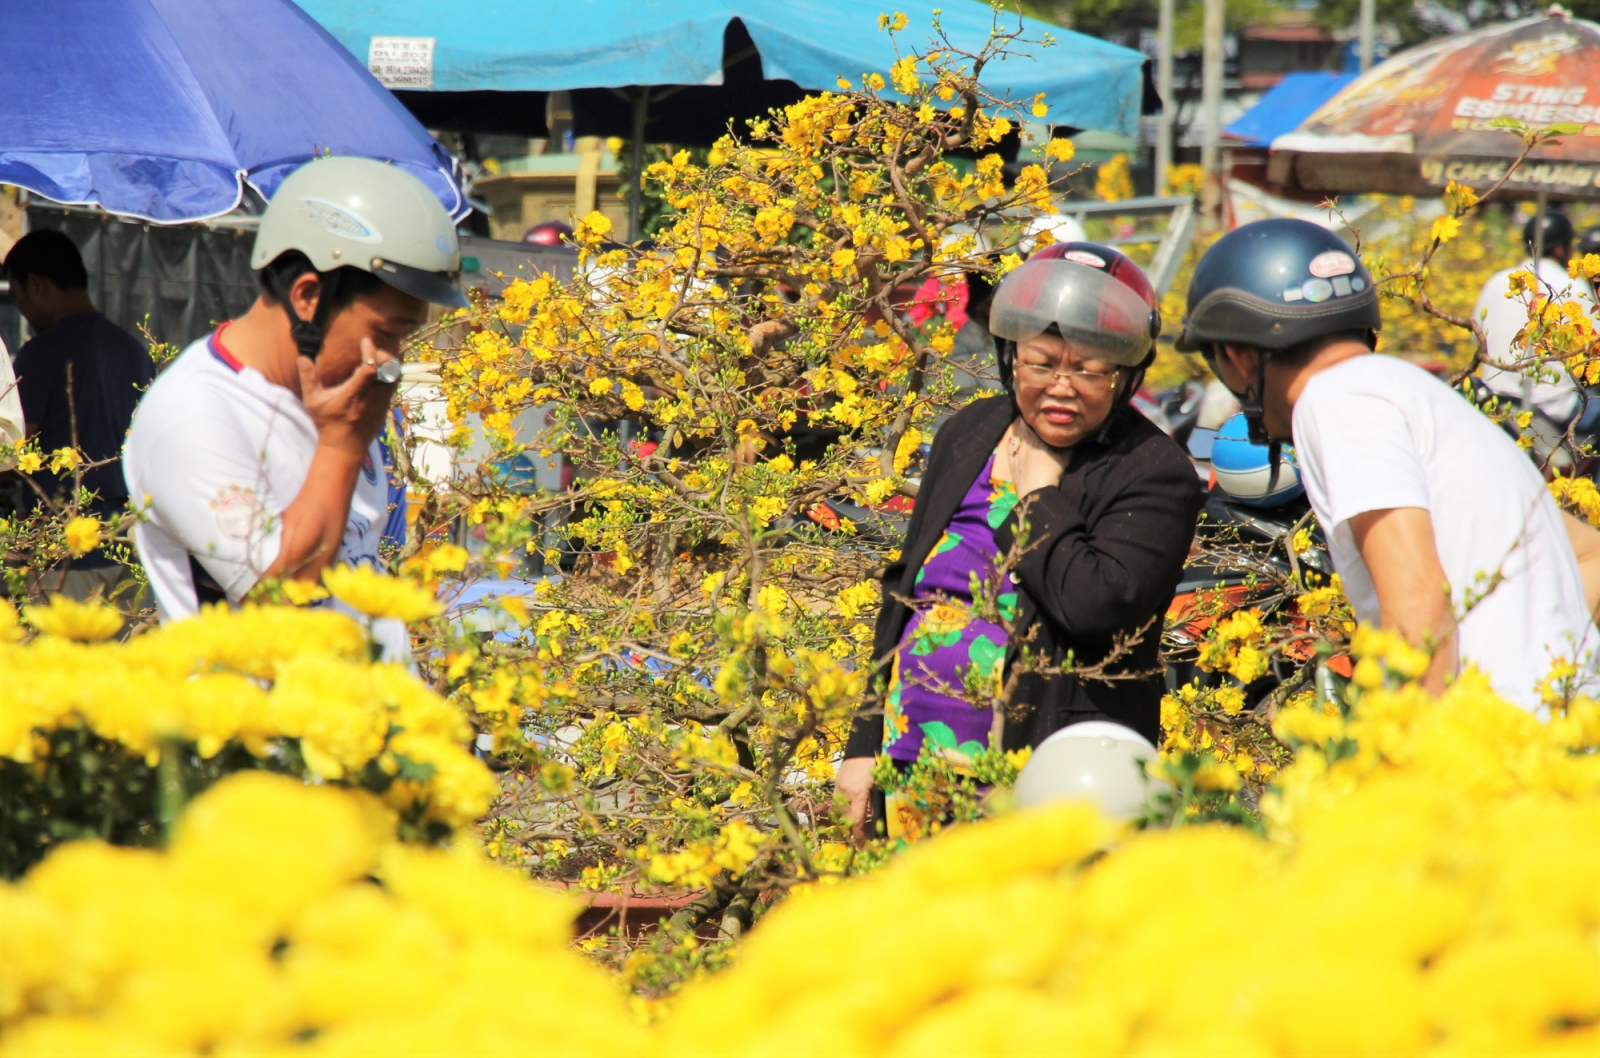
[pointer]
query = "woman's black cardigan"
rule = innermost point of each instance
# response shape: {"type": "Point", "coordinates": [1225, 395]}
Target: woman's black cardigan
{"type": "Point", "coordinates": [1107, 548]}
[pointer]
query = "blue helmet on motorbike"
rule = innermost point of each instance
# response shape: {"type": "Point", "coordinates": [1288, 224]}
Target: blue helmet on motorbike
{"type": "Point", "coordinates": [1247, 471]}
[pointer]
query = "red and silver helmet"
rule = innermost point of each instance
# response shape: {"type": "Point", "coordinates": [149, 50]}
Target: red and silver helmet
{"type": "Point", "coordinates": [1089, 294]}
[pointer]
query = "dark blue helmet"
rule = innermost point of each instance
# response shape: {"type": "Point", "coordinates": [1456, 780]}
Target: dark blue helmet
{"type": "Point", "coordinates": [1274, 284]}
{"type": "Point", "coordinates": [1557, 231]}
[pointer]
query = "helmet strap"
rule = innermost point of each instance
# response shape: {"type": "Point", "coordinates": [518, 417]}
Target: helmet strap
{"type": "Point", "coordinates": [307, 334]}
{"type": "Point", "coordinates": [1254, 415]}
{"type": "Point", "coordinates": [1250, 404]}
{"type": "Point", "coordinates": [1131, 384]}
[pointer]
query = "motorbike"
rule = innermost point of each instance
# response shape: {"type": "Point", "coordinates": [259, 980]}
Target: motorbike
{"type": "Point", "coordinates": [1243, 556]}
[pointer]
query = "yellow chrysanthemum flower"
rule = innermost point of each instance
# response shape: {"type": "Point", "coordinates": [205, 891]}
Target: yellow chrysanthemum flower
{"type": "Point", "coordinates": [366, 590]}
{"type": "Point", "coordinates": [303, 593]}
{"type": "Point", "coordinates": [87, 622]}
{"type": "Point", "coordinates": [10, 628]}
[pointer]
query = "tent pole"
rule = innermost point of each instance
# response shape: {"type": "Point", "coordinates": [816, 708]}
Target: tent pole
{"type": "Point", "coordinates": [1368, 15]}
{"type": "Point", "coordinates": [641, 113]}
{"type": "Point", "coordinates": [1169, 105]}
{"type": "Point", "coordinates": [1541, 201]}
{"type": "Point", "coordinates": [1211, 112]}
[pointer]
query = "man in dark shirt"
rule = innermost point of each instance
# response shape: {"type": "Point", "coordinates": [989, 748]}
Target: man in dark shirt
{"type": "Point", "coordinates": [79, 379]}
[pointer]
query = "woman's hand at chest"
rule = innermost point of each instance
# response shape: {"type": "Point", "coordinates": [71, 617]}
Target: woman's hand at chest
{"type": "Point", "coordinates": [1027, 462]}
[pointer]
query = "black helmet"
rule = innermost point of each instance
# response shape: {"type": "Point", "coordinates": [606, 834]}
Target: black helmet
{"type": "Point", "coordinates": [1590, 243]}
{"type": "Point", "coordinates": [1276, 283]}
{"type": "Point", "coordinates": [1557, 231]}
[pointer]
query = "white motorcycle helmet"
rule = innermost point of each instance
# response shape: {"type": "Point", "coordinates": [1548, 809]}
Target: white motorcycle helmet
{"type": "Point", "coordinates": [360, 213]}
{"type": "Point", "coordinates": [1097, 761]}
{"type": "Point", "coordinates": [1248, 471]}
{"type": "Point", "coordinates": [1061, 229]}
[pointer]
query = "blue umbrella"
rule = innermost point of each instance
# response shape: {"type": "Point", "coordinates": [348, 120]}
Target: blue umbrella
{"type": "Point", "coordinates": [165, 109]}
{"type": "Point", "coordinates": [514, 45]}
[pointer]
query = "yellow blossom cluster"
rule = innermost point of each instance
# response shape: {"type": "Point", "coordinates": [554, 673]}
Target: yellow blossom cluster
{"type": "Point", "coordinates": [82, 534]}
{"type": "Point", "coordinates": [1235, 647]}
{"type": "Point", "coordinates": [1560, 331]}
{"type": "Point", "coordinates": [367, 591]}
{"type": "Point", "coordinates": [255, 677]}
{"type": "Point", "coordinates": [1211, 725]}
{"type": "Point", "coordinates": [284, 919]}
{"type": "Point", "coordinates": [1113, 180]}
{"type": "Point", "coordinates": [1428, 883]}
{"type": "Point", "coordinates": [697, 863]}
{"type": "Point", "coordinates": [1431, 885]}
{"type": "Point", "coordinates": [1578, 495]}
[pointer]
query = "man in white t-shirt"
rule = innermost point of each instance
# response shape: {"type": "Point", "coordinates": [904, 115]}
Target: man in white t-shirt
{"type": "Point", "coordinates": [12, 429]}
{"type": "Point", "coordinates": [255, 454]}
{"type": "Point", "coordinates": [1548, 390]}
{"type": "Point", "coordinates": [1440, 526]}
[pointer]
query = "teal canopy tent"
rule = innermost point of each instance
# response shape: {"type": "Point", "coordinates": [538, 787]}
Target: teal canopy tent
{"type": "Point", "coordinates": [483, 65]}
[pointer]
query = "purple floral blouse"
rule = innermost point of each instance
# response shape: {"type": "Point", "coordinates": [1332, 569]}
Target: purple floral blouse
{"type": "Point", "coordinates": [949, 650]}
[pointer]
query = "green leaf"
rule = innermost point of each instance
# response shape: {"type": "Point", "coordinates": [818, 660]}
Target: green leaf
{"type": "Point", "coordinates": [927, 642]}
{"type": "Point", "coordinates": [939, 733]}
{"type": "Point", "coordinates": [1002, 501]}
{"type": "Point", "coordinates": [1506, 123]}
{"type": "Point", "coordinates": [987, 655]}
{"type": "Point", "coordinates": [1006, 604]}
{"type": "Point", "coordinates": [970, 748]}
{"type": "Point", "coordinates": [1565, 128]}
{"type": "Point", "coordinates": [416, 771]}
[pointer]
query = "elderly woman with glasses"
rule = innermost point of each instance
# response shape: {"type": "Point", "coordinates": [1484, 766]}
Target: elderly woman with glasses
{"type": "Point", "coordinates": [1048, 535]}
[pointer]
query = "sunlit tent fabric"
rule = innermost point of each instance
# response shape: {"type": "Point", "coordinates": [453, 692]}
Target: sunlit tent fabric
{"type": "Point", "coordinates": [515, 46]}
{"type": "Point", "coordinates": [166, 109]}
{"type": "Point", "coordinates": [1427, 116]}
{"type": "Point", "coordinates": [1285, 105]}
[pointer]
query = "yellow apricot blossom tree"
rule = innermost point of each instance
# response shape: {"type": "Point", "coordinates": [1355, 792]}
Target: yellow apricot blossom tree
{"type": "Point", "coordinates": [745, 402]}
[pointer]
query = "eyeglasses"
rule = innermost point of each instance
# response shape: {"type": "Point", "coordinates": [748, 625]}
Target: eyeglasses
{"type": "Point", "coordinates": [1077, 377]}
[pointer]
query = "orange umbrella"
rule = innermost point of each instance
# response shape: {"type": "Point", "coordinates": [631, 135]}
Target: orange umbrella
{"type": "Point", "coordinates": [1425, 117]}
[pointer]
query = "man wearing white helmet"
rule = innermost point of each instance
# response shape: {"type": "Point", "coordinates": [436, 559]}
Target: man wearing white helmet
{"type": "Point", "coordinates": [255, 453]}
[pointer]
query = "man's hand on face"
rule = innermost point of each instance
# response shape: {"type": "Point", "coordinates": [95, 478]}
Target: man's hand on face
{"type": "Point", "coordinates": [349, 414]}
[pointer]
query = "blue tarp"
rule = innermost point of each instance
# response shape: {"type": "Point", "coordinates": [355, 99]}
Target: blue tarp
{"type": "Point", "coordinates": [160, 108]}
{"type": "Point", "coordinates": [518, 45]}
{"type": "Point", "coordinates": [1285, 105]}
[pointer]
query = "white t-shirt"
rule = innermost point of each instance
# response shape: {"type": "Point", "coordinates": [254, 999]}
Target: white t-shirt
{"type": "Point", "coordinates": [1375, 433]}
{"type": "Point", "coordinates": [1549, 388]}
{"type": "Point", "coordinates": [214, 455]}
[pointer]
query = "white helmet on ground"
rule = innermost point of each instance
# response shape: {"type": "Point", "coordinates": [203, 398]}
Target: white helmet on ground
{"type": "Point", "coordinates": [1097, 761]}
{"type": "Point", "coordinates": [360, 213]}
